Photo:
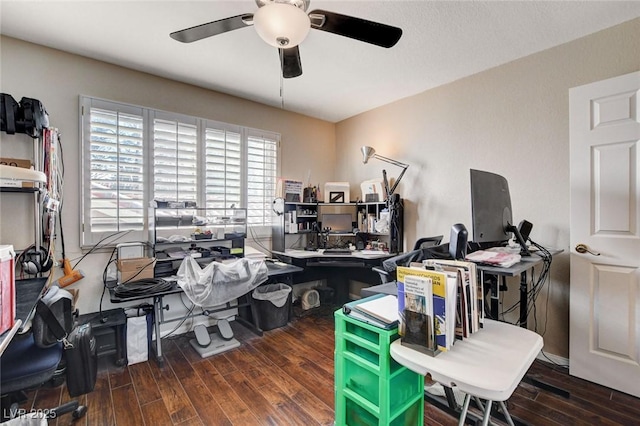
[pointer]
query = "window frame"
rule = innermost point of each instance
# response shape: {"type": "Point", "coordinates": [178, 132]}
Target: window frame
{"type": "Point", "coordinates": [89, 238]}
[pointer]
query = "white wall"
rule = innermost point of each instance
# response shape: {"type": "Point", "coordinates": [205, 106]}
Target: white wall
{"type": "Point", "coordinates": [58, 78]}
{"type": "Point", "coordinates": [512, 120]}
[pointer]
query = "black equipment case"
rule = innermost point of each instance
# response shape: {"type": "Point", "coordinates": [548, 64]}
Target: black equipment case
{"type": "Point", "coordinates": [82, 360]}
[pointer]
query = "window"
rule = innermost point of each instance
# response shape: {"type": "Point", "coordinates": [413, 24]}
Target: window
{"type": "Point", "coordinates": [133, 155]}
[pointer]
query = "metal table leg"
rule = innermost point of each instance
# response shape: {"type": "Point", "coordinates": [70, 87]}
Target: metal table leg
{"type": "Point", "coordinates": [157, 320]}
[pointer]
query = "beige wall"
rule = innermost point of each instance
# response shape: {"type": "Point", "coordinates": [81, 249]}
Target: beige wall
{"type": "Point", "coordinates": [58, 78]}
{"type": "Point", "coordinates": [512, 120]}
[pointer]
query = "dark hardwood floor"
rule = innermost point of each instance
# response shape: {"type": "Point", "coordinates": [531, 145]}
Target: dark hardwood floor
{"type": "Point", "coordinates": [286, 378]}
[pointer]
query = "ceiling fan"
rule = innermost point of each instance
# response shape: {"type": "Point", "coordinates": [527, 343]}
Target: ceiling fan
{"type": "Point", "coordinates": [285, 24]}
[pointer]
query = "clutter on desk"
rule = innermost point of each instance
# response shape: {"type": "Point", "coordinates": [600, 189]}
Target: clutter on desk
{"type": "Point", "coordinates": [503, 259]}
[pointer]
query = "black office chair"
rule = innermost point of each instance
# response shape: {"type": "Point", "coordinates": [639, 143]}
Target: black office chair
{"type": "Point", "coordinates": [387, 271]}
{"type": "Point", "coordinates": [428, 242]}
{"type": "Point", "coordinates": [25, 366]}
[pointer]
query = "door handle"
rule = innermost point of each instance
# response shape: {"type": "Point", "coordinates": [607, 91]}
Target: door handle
{"type": "Point", "coordinates": [582, 248]}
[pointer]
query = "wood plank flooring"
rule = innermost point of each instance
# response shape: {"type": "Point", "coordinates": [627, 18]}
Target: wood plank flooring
{"type": "Point", "coordinates": [286, 378]}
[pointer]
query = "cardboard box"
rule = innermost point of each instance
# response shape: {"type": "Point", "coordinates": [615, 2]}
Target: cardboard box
{"type": "Point", "coordinates": [7, 288]}
{"type": "Point", "coordinates": [15, 162]}
{"type": "Point", "coordinates": [136, 269]}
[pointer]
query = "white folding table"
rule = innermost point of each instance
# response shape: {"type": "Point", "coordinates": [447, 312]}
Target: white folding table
{"type": "Point", "coordinates": [488, 365]}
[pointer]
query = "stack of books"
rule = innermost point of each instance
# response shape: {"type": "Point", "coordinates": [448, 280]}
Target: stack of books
{"type": "Point", "coordinates": [439, 301]}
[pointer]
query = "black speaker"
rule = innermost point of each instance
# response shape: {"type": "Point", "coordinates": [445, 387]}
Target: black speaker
{"type": "Point", "coordinates": [525, 228]}
{"type": "Point", "coordinates": [36, 261]}
{"type": "Point", "coordinates": [458, 241]}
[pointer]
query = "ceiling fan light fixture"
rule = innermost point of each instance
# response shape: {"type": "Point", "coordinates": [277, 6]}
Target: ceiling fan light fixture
{"type": "Point", "coordinates": [281, 25]}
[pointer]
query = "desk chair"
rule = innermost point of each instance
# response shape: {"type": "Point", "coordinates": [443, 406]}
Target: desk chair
{"type": "Point", "coordinates": [388, 270]}
{"type": "Point", "coordinates": [26, 366]}
{"type": "Point", "coordinates": [428, 242]}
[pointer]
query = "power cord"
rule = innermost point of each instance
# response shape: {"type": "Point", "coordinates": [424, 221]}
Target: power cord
{"type": "Point", "coordinates": [143, 287]}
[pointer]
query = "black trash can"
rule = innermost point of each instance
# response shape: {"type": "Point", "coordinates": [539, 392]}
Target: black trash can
{"type": "Point", "coordinates": [273, 304]}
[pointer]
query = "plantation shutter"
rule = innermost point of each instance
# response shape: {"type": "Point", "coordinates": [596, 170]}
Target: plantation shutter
{"type": "Point", "coordinates": [175, 160]}
{"type": "Point", "coordinates": [114, 200]}
{"type": "Point", "coordinates": [261, 177]}
{"type": "Point", "coordinates": [223, 168]}
{"type": "Point", "coordinates": [132, 155]}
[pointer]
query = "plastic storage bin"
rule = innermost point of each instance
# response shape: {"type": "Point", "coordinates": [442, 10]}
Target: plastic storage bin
{"type": "Point", "coordinates": [7, 288]}
{"type": "Point", "coordinates": [273, 305]}
{"type": "Point", "coordinates": [371, 387]}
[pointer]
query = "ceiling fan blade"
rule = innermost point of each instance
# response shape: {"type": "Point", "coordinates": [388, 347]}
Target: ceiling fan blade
{"type": "Point", "coordinates": [199, 32]}
{"type": "Point", "coordinates": [360, 29]}
{"type": "Point", "coordinates": [290, 62]}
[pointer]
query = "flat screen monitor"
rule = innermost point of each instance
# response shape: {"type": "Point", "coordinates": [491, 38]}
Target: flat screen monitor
{"type": "Point", "coordinates": [338, 222]}
{"type": "Point", "coordinates": [490, 207]}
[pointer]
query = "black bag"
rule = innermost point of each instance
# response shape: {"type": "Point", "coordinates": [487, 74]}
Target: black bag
{"type": "Point", "coordinates": [32, 117]}
{"type": "Point", "coordinates": [8, 113]}
{"type": "Point", "coordinates": [80, 352]}
{"type": "Point", "coordinates": [82, 360]}
{"type": "Point", "coordinates": [60, 303]}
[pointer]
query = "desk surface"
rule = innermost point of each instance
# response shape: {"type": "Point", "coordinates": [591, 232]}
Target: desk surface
{"type": "Point", "coordinates": [319, 254]}
{"type": "Point", "coordinates": [525, 264]}
{"type": "Point", "coordinates": [274, 270]}
{"type": "Point", "coordinates": [489, 364]}
{"type": "Point", "coordinates": [27, 294]}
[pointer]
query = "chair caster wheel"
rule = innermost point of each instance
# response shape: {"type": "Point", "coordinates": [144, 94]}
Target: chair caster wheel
{"type": "Point", "coordinates": [79, 412]}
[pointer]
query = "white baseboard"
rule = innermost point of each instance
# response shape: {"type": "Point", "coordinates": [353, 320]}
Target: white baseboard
{"type": "Point", "coordinates": [556, 359]}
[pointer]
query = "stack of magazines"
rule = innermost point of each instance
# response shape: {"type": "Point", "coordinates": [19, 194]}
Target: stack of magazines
{"type": "Point", "coordinates": [380, 310]}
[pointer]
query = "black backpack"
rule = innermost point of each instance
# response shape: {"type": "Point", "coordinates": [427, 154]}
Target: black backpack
{"type": "Point", "coordinates": [32, 117]}
{"type": "Point", "coordinates": [28, 117]}
{"type": "Point", "coordinates": [8, 112]}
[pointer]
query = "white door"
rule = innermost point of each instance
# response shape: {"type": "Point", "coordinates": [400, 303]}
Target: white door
{"type": "Point", "coordinates": [604, 342]}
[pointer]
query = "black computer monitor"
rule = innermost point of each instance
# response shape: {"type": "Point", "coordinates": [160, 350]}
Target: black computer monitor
{"type": "Point", "coordinates": [491, 210]}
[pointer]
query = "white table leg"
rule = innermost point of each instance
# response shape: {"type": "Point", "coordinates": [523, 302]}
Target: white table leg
{"type": "Point", "coordinates": [506, 413]}
{"type": "Point", "coordinates": [487, 413]}
{"type": "Point", "coordinates": [465, 408]}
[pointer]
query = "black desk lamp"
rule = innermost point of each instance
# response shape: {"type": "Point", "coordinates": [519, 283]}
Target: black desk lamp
{"type": "Point", "coordinates": [368, 152]}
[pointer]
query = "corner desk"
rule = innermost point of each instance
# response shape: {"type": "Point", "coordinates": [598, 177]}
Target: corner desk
{"type": "Point", "coordinates": [247, 319]}
{"type": "Point", "coordinates": [338, 269]}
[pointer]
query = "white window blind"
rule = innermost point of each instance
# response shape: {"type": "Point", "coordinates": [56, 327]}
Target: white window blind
{"type": "Point", "coordinates": [115, 169]}
{"type": "Point", "coordinates": [175, 161]}
{"type": "Point", "coordinates": [133, 155]}
{"type": "Point", "coordinates": [261, 178]}
{"type": "Point", "coordinates": [223, 168]}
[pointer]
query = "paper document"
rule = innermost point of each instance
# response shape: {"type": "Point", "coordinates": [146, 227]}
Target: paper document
{"type": "Point", "coordinates": [384, 308]}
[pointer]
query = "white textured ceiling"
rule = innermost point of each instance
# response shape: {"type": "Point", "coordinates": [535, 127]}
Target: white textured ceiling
{"type": "Point", "coordinates": [442, 41]}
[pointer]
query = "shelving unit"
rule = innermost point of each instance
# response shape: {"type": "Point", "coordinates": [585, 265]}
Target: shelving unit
{"type": "Point", "coordinates": [306, 219]}
{"type": "Point", "coordinates": [371, 387]}
{"type": "Point", "coordinates": [206, 234]}
{"type": "Point", "coordinates": [33, 190]}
